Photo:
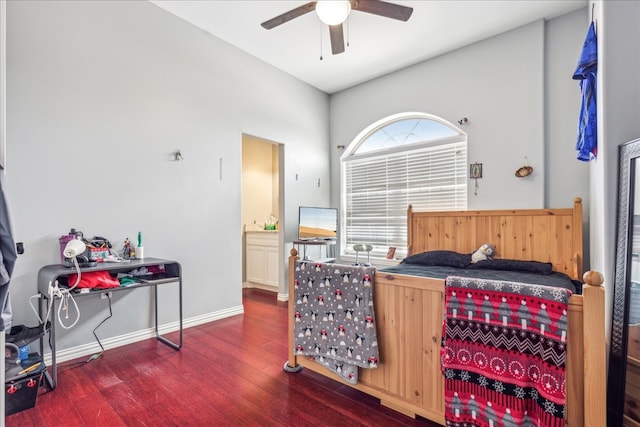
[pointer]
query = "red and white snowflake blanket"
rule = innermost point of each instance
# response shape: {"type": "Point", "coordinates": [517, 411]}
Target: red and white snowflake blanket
{"type": "Point", "coordinates": [503, 353]}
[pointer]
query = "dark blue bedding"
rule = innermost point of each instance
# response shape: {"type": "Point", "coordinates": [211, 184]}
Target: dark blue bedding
{"type": "Point", "coordinates": [556, 279]}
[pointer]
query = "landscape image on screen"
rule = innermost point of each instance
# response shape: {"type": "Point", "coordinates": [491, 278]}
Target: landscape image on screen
{"type": "Point", "coordinates": [317, 223]}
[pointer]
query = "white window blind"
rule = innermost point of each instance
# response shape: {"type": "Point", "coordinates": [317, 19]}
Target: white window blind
{"type": "Point", "coordinates": [378, 187]}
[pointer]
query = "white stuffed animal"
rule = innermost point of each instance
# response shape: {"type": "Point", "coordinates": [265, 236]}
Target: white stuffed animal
{"type": "Point", "coordinates": [486, 251]}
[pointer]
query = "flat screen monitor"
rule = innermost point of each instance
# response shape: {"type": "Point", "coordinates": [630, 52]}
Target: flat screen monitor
{"type": "Point", "coordinates": [317, 223]}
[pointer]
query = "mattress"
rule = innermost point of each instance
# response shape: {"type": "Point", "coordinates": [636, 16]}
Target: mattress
{"type": "Point", "coordinates": [555, 279]}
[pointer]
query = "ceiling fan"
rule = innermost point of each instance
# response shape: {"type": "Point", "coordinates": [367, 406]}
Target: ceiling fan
{"type": "Point", "coordinates": [334, 13]}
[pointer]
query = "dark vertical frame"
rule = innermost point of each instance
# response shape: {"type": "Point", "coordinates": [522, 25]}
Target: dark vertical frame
{"type": "Point", "coordinates": [628, 154]}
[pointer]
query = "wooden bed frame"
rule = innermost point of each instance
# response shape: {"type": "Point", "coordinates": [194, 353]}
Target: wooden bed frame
{"type": "Point", "coordinates": [409, 309]}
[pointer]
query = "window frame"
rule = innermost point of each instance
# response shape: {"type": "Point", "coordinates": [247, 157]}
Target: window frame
{"type": "Point", "coordinates": [351, 154]}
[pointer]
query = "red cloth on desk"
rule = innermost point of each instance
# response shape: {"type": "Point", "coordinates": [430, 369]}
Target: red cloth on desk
{"type": "Point", "coordinates": [94, 280]}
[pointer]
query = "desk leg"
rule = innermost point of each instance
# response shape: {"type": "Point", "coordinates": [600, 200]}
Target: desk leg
{"type": "Point", "coordinates": [180, 307]}
{"type": "Point", "coordinates": [53, 381]}
{"type": "Point", "coordinates": [42, 301]}
{"type": "Point", "coordinates": [40, 312]}
{"type": "Point", "coordinates": [160, 337]}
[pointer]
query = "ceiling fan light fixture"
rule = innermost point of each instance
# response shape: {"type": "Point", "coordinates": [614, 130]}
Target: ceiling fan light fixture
{"type": "Point", "coordinates": [333, 12]}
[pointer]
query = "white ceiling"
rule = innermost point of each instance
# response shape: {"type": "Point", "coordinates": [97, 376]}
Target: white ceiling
{"type": "Point", "coordinates": [377, 45]}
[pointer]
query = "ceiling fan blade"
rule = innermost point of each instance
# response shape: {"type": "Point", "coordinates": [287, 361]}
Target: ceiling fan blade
{"type": "Point", "coordinates": [288, 16]}
{"type": "Point", "coordinates": [383, 8]}
{"type": "Point", "coordinates": [337, 38]}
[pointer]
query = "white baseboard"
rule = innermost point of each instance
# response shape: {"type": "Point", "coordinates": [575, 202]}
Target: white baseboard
{"type": "Point", "coordinates": [281, 296]}
{"type": "Point", "coordinates": [249, 285]}
{"type": "Point", "coordinates": [114, 342]}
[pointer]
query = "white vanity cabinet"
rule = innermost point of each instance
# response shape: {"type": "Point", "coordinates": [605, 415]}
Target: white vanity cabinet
{"type": "Point", "coordinates": [262, 260]}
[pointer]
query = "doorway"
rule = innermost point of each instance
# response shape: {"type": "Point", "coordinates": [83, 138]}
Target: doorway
{"type": "Point", "coordinates": [262, 208]}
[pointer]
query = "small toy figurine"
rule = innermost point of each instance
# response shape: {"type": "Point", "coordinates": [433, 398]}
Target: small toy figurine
{"type": "Point", "coordinates": [128, 251]}
{"type": "Point", "coordinates": [486, 251]}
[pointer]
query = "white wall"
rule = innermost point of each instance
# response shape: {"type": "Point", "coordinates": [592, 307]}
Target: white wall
{"type": "Point", "coordinates": [618, 31]}
{"type": "Point", "coordinates": [99, 94]}
{"type": "Point", "coordinates": [566, 177]}
{"type": "Point", "coordinates": [496, 84]}
{"type": "Point", "coordinates": [508, 87]}
{"type": "Point", "coordinates": [447, 94]}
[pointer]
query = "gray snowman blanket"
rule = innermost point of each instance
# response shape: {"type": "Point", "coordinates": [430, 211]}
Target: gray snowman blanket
{"type": "Point", "coordinates": [334, 322]}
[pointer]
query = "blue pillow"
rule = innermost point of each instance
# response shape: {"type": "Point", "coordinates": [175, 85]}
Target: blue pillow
{"type": "Point", "coordinates": [439, 258]}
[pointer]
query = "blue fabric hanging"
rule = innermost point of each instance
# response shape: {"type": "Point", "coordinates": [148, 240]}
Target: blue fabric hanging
{"type": "Point", "coordinates": [586, 73]}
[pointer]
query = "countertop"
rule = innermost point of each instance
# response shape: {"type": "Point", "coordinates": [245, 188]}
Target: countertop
{"type": "Point", "coordinates": [261, 231]}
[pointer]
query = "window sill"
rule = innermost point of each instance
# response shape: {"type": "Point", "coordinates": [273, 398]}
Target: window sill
{"type": "Point", "coordinates": [375, 262]}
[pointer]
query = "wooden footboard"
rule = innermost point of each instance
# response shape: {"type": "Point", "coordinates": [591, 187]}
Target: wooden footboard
{"type": "Point", "coordinates": [409, 310]}
{"type": "Point", "coordinates": [409, 314]}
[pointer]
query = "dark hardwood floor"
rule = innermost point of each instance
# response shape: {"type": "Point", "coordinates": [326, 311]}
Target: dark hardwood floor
{"type": "Point", "coordinates": [229, 372]}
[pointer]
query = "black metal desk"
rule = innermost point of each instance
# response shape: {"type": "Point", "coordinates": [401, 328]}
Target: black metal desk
{"type": "Point", "coordinates": [50, 273]}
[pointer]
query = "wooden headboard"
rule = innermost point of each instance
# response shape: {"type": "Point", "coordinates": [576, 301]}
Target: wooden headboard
{"type": "Point", "coordinates": [547, 235]}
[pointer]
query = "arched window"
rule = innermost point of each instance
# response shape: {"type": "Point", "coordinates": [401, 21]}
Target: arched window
{"type": "Point", "coordinates": [412, 158]}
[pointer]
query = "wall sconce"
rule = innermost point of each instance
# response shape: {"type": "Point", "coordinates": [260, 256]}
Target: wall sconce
{"type": "Point", "coordinates": [177, 155]}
